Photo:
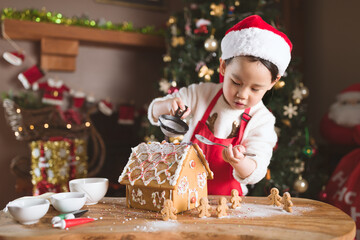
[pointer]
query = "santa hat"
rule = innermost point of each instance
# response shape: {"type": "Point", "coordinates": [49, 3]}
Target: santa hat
{"type": "Point", "coordinates": [14, 58]}
{"type": "Point", "coordinates": [105, 107]}
{"type": "Point", "coordinates": [202, 22]}
{"type": "Point", "coordinates": [30, 76]}
{"type": "Point", "coordinates": [350, 93]}
{"type": "Point", "coordinates": [254, 37]}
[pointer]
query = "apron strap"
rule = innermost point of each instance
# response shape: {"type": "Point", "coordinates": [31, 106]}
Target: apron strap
{"type": "Point", "coordinates": [211, 105]}
{"type": "Point", "coordinates": [245, 118]}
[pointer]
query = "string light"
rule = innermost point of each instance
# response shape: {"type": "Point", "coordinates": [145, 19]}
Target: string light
{"type": "Point", "coordinates": [31, 127]}
{"type": "Point", "coordinates": [68, 126]}
{"type": "Point", "coordinates": [20, 129]}
{"type": "Point", "coordinates": [18, 110]}
{"type": "Point", "coordinates": [46, 125]}
{"type": "Point", "coordinates": [87, 124]}
{"type": "Point", "coordinates": [16, 134]}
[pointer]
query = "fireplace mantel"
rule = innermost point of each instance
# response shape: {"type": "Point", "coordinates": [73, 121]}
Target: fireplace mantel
{"type": "Point", "coordinates": [59, 43]}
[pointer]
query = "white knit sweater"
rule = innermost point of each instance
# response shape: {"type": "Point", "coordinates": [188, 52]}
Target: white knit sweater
{"type": "Point", "coordinates": [259, 136]}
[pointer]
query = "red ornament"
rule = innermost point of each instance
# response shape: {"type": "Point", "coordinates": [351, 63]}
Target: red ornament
{"type": "Point", "coordinates": [192, 164]}
{"type": "Point", "coordinates": [322, 196]}
{"type": "Point", "coordinates": [173, 90]}
{"type": "Point", "coordinates": [193, 200]}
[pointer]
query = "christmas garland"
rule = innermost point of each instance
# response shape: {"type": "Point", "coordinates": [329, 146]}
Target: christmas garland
{"type": "Point", "coordinates": [44, 16]}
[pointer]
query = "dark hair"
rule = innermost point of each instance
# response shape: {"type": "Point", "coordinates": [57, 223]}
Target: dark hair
{"type": "Point", "coordinates": [269, 65]}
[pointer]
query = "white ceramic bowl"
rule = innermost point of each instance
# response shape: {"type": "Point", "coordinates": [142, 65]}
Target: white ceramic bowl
{"type": "Point", "coordinates": [28, 210]}
{"type": "Point", "coordinates": [94, 188]}
{"type": "Point", "coordinates": [68, 201]}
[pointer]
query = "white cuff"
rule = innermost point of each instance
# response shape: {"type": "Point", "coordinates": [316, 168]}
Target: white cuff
{"type": "Point", "coordinates": [150, 111]}
{"type": "Point", "coordinates": [254, 177]}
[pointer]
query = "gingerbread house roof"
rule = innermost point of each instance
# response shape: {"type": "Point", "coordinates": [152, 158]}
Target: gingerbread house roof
{"type": "Point", "coordinates": [157, 164]}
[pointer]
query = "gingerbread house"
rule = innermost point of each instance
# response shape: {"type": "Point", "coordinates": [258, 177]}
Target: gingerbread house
{"type": "Point", "coordinates": [158, 171]}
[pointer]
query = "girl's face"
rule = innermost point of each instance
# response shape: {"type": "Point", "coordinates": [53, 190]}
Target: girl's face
{"type": "Point", "coordinates": [245, 82]}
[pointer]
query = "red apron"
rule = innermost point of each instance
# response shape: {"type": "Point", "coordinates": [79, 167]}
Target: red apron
{"type": "Point", "coordinates": [223, 181]}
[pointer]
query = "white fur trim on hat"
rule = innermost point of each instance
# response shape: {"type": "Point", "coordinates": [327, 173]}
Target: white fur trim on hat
{"type": "Point", "coordinates": [348, 96]}
{"type": "Point", "coordinates": [24, 81]}
{"type": "Point", "coordinates": [259, 43]}
{"type": "Point", "coordinates": [13, 59]}
{"type": "Point", "coordinates": [105, 109]}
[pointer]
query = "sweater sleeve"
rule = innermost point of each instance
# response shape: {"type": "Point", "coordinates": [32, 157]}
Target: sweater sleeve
{"type": "Point", "coordinates": [260, 139]}
{"type": "Point", "coordinates": [192, 96]}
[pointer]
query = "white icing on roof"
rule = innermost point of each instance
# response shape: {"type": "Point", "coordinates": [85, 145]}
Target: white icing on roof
{"type": "Point", "coordinates": [154, 161]}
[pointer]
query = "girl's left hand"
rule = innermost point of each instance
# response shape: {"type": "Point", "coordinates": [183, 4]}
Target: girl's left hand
{"type": "Point", "coordinates": [233, 154]}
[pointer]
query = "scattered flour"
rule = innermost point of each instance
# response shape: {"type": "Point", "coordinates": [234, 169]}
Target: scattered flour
{"type": "Point", "coordinates": [246, 211]}
{"type": "Point", "coordinates": [249, 210]}
{"type": "Point", "coordinates": [154, 226]}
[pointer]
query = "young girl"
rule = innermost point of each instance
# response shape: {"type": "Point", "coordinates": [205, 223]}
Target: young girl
{"type": "Point", "coordinates": [254, 57]}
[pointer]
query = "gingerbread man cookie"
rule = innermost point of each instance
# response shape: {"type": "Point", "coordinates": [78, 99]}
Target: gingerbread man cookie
{"type": "Point", "coordinates": [221, 208]}
{"type": "Point", "coordinates": [168, 211]}
{"type": "Point", "coordinates": [275, 197]}
{"type": "Point", "coordinates": [204, 208]}
{"type": "Point", "coordinates": [287, 202]}
{"type": "Point", "coordinates": [235, 199]}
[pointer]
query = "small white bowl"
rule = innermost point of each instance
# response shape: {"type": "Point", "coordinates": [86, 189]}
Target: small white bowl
{"type": "Point", "coordinates": [94, 188]}
{"type": "Point", "coordinates": [68, 201]}
{"type": "Point", "coordinates": [28, 210]}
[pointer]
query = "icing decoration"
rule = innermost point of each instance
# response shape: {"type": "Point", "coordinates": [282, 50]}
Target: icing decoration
{"type": "Point", "coordinates": [190, 198]}
{"type": "Point", "coordinates": [201, 180]}
{"type": "Point", "coordinates": [154, 161]}
{"type": "Point", "coordinates": [183, 186]}
{"type": "Point", "coordinates": [137, 196]}
{"type": "Point", "coordinates": [192, 164]}
{"type": "Point", "coordinates": [158, 199]}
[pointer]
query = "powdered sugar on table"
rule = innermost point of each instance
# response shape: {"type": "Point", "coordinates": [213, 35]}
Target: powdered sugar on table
{"type": "Point", "coordinates": [249, 210]}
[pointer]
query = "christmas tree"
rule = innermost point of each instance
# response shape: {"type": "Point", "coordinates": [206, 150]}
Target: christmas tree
{"type": "Point", "coordinates": [193, 37]}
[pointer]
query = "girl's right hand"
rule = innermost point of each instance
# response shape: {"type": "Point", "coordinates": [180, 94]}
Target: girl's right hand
{"type": "Point", "coordinates": [177, 103]}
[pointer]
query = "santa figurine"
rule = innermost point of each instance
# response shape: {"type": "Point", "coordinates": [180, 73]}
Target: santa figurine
{"type": "Point", "coordinates": [341, 125]}
{"type": "Point", "coordinates": [53, 91]}
{"type": "Point", "coordinates": [202, 26]}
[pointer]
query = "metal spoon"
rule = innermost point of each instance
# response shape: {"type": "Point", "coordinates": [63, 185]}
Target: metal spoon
{"type": "Point", "coordinates": [208, 142]}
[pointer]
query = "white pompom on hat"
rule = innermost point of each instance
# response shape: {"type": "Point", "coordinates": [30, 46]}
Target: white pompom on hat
{"type": "Point", "coordinates": [254, 37]}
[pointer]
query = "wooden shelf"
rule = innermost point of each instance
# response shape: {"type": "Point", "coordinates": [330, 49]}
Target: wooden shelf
{"type": "Point", "coordinates": [56, 35]}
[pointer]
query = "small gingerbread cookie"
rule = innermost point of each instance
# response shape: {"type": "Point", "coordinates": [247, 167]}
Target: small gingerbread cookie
{"type": "Point", "coordinates": [286, 200]}
{"type": "Point", "coordinates": [235, 199]}
{"type": "Point", "coordinates": [221, 208]}
{"type": "Point", "coordinates": [204, 208]}
{"type": "Point", "coordinates": [275, 197]}
{"type": "Point", "coordinates": [168, 211]}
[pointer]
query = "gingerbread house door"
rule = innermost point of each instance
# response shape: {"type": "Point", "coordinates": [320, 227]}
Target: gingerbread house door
{"type": "Point", "coordinates": [193, 198]}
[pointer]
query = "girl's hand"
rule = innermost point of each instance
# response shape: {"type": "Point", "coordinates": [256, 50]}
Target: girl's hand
{"type": "Point", "coordinates": [242, 165]}
{"type": "Point", "coordinates": [233, 154]}
{"type": "Point", "coordinates": [177, 103]}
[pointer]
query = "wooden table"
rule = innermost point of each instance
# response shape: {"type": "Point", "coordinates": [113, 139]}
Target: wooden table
{"type": "Point", "coordinates": [256, 219]}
